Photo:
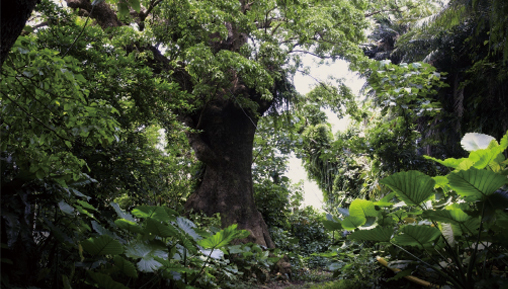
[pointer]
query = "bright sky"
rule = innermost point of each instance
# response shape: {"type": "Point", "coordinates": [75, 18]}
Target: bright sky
{"type": "Point", "coordinates": [313, 195]}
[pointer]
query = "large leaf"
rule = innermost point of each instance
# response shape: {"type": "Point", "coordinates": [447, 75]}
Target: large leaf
{"type": "Point", "coordinates": [121, 213]}
{"type": "Point", "coordinates": [160, 229]}
{"type": "Point", "coordinates": [146, 252]}
{"type": "Point", "coordinates": [188, 227]}
{"type": "Point", "coordinates": [476, 141]}
{"type": "Point", "coordinates": [102, 245]}
{"type": "Point", "coordinates": [359, 208]}
{"type": "Point", "coordinates": [378, 234]}
{"type": "Point", "coordinates": [105, 281]}
{"type": "Point", "coordinates": [451, 162]}
{"type": "Point", "coordinates": [483, 158]}
{"type": "Point", "coordinates": [214, 254]}
{"type": "Point", "coordinates": [332, 225]}
{"type": "Point", "coordinates": [449, 234]}
{"type": "Point", "coordinates": [350, 223]}
{"type": "Point", "coordinates": [157, 213]}
{"type": "Point", "coordinates": [220, 239]}
{"type": "Point", "coordinates": [129, 226]}
{"type": "Point", "coordinates": [475, 183]}
{"type": "Point", "coordinates": [412, 187]}
{"type": "Point", "coordinates": [125, 266]}
{"type": "Point", "coordinates": [439, 216]}
{"type": "Point", "coordinates": [417, 236]}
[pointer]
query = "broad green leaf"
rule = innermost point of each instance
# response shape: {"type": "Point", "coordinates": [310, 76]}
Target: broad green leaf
{"type": "Point", "coordinates": [439, 216]}
{"type": "Point", "coordinates": [148, 265]}
{"type": "Point", "coordinates": [125, 266]}
{"type": "Point", "coordinates": [105, 281]}
{"type": "Point", "coordinates": [450, 162]}
{"type": "Point", "coordinates": [417, 236]}
{"type": "Point", "coordinates": [332, 225]}
{"type": "Point", "coordinates": [482, 158]}
{"type": "Point", "coordinates": [121, 213]}
{"type": "Point", "coordinates": [365, 208]}
{"type": "Point", "coordinates": [129, 226]}
{"type": "Point", "coordinates": [102, 245]}
{"type": "Point", "coordinates": [412, 187]}
{"type": "Point", "coordinates": [475, 183]}
{"type": "Point", "coordinates": [101, 230]}
{"type": "Point", "coordinates": [457, 213]}
{"type": "Point", "coordinates": [220, 239]}
{"type": "Point", "coordinates": [157, 213]}
{"type": "Point", "coordinates": [160, 229]}
{"type": "Point", "coordinates": [146, 252]}
{"type": "Point", "coordinates": [441, 182]}
{"type": "Point", "coordinates": [504, 142]}
{"type": "Point", "coordinates": [188, 227]}
{"type": "Point", "coordinates": [465, 165]}
{"type": "Point", "coordinates": [378, 234]}
{"type": "Point", "coordinates": [476, 141]}
{"type": "Point", "coordinates": [350, 223]}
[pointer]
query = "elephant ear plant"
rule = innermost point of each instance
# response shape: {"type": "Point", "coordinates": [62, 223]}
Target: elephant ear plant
{"type": "Point", "coordinates": [455, 225]}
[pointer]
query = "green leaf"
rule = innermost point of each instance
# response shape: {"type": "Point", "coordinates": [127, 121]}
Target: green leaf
{"type": "Point", "coordinates": [123, 8]}
{"type": "Point", "coordinates": [188, 227]}
{"type": "Point", "coordinates": [475, 183]}
{"type": "Point", "coordinates": [483, 158]}
{"type": "Point", "coordinates": [439, 216]}
{"type": "Point", "coordinates": [160, 229]}
{"type": "Point", "coordinates": [220, 239]}
{"type": "Point", "coordinates": [105, 281]}
{"type": "Point", "coordinates": [378, 234]}
{"type": "Point", "coordinates": [350, 223]}
{"type": "Point", "coordinates": [331, 225]}
{"type": "Point", "coordinates": [157, 213]}
{"type": "Point", "coordinates": [363, 208]}
{"type": "Point", "coordinates": [125, 266]}
{"type": "Point", "coordinates": [476, 141]}
{"type": "Point", "coordinates": [135, 5]}
{"type": "Point", "coordinates": [412, 187]}
{"type": "Point", "coordinates": [417, 236]}
{"type": "Point", "coordinates": [121, 213]}
{"type": "Point", "coordinates": [146, 252]}
{"type": "Point", "coordinates": [450, 162]}
{"type": "Point", "coordinates": [129, 226]}
{"type": "Point", "coordinates": [102, 245]}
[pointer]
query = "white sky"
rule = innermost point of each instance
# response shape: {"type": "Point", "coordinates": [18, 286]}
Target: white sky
{"type": "Point", "coordinates": [313, 195]}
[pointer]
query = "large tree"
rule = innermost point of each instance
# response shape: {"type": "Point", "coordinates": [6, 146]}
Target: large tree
{"type": "Point", "coordinates": [15, 13]}
{"type": "Point", "coordinates": [230, 62]}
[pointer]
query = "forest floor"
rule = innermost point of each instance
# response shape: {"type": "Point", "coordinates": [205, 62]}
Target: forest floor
{"type": "Point", "coordinates": [316, 277]}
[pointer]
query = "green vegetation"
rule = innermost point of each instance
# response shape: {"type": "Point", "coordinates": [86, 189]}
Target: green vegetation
{"type": "Point", "coordinates": [144, 144]}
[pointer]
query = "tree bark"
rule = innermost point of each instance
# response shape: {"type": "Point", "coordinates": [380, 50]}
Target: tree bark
{"type": "Point", "coordinates": [222, 136]}
{"type": "Point", "coordinates": [225, 146]}
{"type": "Point", "coordinates": [14, 15]}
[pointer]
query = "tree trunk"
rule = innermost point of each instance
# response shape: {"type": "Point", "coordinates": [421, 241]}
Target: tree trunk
{"type": "Point", "coordinates": [224, 144]}
{"type": "Point", "coordinates": [14, 15]}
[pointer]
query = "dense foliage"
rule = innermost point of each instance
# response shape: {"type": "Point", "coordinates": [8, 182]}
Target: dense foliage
{"type": "Point", "coordinates": [115, 112]}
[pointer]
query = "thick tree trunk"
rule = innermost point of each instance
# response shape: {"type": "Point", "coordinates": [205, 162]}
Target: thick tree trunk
{"type": "Point", "coordinates": [225, 146]}
{"type": "Point", "coordinates": [14, 15]}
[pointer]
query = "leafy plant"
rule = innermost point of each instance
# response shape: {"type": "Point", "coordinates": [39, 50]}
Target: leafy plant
{"type": "Point", "coordinates": [450, 224]}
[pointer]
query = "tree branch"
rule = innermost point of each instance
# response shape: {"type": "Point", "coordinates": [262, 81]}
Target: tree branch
{"type": "Point", "coordinates": [103, 14]}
